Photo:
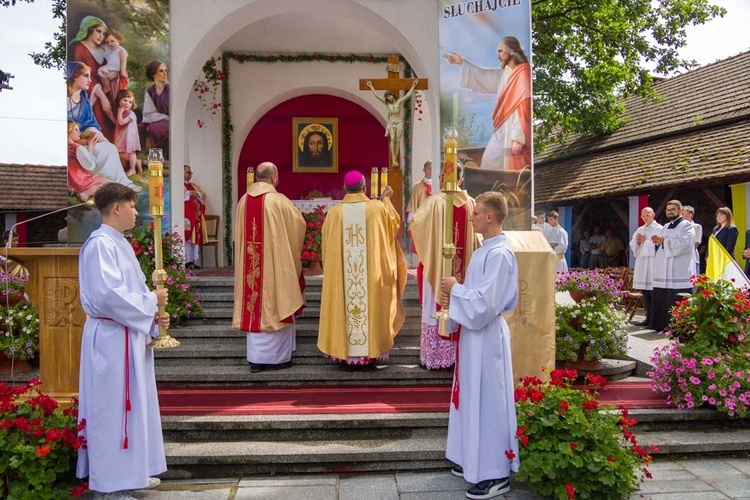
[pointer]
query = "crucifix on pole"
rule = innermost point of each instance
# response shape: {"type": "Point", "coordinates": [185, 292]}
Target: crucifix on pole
{"type": "Point", "coordinates": [393, 85]}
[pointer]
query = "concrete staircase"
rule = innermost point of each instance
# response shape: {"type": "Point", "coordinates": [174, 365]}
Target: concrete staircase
{"type": "Point", "coordinates": [213, 355]}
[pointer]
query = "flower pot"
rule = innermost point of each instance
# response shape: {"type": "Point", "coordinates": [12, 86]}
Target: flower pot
{"type": "Point", "coordinates": [315, 269]}
{"type": "Point", "coordinates": [578, 296]}
{"type": "Point", "coordinates": [11, 299]}
{"type": "Point", "coordinates": [581, 364]}
{"type": "Point", "coordinates": [7, 365]}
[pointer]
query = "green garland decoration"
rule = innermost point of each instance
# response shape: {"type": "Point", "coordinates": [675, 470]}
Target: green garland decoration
{"type": "Point", "coordinates": [296, 58]}
{"type": "Point", "coordinates": [227, 128]}
{"type": "Point", "coordinates": [226, 153]}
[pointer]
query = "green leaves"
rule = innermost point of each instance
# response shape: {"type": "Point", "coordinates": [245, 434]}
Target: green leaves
{"type": "Point", "coordinates": [588, 54]}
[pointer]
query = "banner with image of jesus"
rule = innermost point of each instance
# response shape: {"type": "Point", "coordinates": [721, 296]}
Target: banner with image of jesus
{"type": "Point", "coordinates": [486, 95]}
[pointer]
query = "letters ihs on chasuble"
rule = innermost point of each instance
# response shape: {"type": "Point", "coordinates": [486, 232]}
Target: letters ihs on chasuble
{"type": "Point", "coordinates": [477, 7]}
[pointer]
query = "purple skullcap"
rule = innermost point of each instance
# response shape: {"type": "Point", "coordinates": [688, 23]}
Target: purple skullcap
{"type": "Point", "coordinates": [353, 178]}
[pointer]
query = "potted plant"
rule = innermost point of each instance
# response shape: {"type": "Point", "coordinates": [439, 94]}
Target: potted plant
{"type": "Point", "coordinates": [593, 327]}
{"type": "Point", "coordinates": [13, 284]}
{"type": "Point", "coordinates": [707, 361]}
{"type": "Point", "coordinates": [590, 330]}
{"type": "Point", "coordinates": [312, 244]}
{"type": "Point", "coordinates": [19, 335]}
{"type": "Point", "coordinates": [38, 445]}
{"type": "Point", "coordinates": [590, 283]}
{"type": "Point", "coordinates": [183, 300]}
{"type": "Point", "coordinates": [571, 445]}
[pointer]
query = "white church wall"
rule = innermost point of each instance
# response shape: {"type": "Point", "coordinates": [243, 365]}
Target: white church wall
{"type": "Point", "coordinates": [200, 27]}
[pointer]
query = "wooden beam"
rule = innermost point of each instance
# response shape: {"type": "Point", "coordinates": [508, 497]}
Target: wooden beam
{"type": "Point", "coordinates": [663, 204]}
{"type": "Point", "coordinates": [620, 213]}
{"type": "Point", "coordinates": [392, 85]}
{"type": "Point", "coordinates": [394, 82]}
{"type": "Point", "coordinates": [711, 196]}
{"type": "Point", "coordinates": [579, 219]}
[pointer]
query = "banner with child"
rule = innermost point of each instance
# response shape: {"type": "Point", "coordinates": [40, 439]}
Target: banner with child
{"type": "Point", "coordinates": [117, 100]}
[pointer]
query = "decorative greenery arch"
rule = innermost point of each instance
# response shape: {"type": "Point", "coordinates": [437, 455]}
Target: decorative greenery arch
{"type": "Point", "coordinates": [227, 129]}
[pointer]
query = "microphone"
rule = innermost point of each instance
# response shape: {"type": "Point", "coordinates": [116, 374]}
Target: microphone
{"type": "Point", "coordinates": [88, 203]}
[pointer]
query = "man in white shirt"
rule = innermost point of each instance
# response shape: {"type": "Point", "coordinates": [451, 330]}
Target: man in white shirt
{"type": "Point", "coordinates": [645, 250]}
{"type": "Point", "coordinates": [673, 264]}
{"type": "Point", "coordinates": [688, 213]}
{"type": "Point", "coordinates": [558, 239]}
{"type": "Point", "coordinates": [595, 242]}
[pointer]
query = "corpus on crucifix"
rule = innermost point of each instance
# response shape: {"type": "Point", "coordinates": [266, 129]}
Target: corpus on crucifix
{"type": "Point", "coordinates": [393, 85]}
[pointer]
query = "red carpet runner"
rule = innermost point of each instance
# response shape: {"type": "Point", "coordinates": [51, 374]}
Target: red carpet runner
{"type": "Point", "coordinates": [330, 400]}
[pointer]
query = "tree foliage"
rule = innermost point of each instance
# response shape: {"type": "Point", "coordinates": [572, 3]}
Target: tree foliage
{"type": "Point", "coordinates": [53, 55]}
{"type": "Point", "coordinates": [587, 54]}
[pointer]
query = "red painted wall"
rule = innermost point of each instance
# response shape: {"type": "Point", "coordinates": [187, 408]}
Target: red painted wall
{"type": "Point", "coordinates": [362, 145]}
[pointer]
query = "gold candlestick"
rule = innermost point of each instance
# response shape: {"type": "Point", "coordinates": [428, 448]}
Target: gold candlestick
{"type": "Point", "coordinates": [250, 177]}
{"type": "Point", "coordinates": [374, 183]}
{"type": "Point", "coordinates": [450, 175]}
{"type": "Point", "coordinates": [156, 210]}
{"type": "Point", "coordinates": [383, 179]}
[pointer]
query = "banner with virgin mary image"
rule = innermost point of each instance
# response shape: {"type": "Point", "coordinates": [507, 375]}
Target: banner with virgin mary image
{"type": "Point", "coordinates": [117, 101]}
{"type": "Point", "coordinates": [485, 95]}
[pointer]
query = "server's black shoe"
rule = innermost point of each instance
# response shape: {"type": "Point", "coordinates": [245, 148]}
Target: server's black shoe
{"type": "Point", "coordinates": [489, 489]}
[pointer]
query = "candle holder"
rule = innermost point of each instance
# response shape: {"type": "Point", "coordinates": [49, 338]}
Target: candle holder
{"type": "Point", "coordinates": [383, 179]}
{"type": "Point", "coordinates": [374, 175]}
{"type": "Point", "coordinates": [450, 186]}
{"type": "Point", "coordinates": [156, 210]}
{"type": "Point", "coordinates": [250, 177]}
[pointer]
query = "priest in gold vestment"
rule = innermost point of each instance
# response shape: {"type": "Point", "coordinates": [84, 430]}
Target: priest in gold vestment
{"type": "Point", "coordinates": [364, 277]}
{"type": "Point", "coordinates": [267, 275]}
{"type": "Point", "coordinates": [420, 192]}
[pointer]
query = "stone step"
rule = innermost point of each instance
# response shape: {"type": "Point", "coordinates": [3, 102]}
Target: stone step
{"type": "Point", "coordinates": [215, 445]}
{"type": "Point", "coordinates": [333, 427]}
{"type": "Point", "coordinates": [298, 375]}
{"type": "Point", "coordinates": [233, 351]}
{"type": "Point", "coordinates": [413, 311]}
{"type": "Point", "coordinates": [306, 327]}
{"type": "Point", "coordinates": [240, 458]}
{"type": "Point", "coordinates": [674, 419]}
{"type": "Point", "coordinates": [212, 298]}
{"type": "Point", "coordinates": [710, 440]}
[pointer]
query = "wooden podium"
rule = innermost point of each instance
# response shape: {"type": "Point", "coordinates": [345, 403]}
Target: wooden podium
{"type": "Point", "coordinates": [53, 289]}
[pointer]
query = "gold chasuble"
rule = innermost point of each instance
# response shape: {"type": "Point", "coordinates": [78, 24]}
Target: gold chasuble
{"type": "Point", "coordinates": [363, 281]}
{"type": "Point", "coordinates": [428, 229]}
{"type": "Point", "coordinates": [269, 232]}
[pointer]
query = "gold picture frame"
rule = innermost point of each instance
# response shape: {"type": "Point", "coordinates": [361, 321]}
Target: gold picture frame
{"type": "Point", "coordinates": [315, 145]}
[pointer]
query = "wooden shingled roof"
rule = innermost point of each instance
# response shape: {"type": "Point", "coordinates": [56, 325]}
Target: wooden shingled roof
{"type": "Point", "coordinates": [29, 188]}
{"type": "Point", "coordinates": [698, 130]}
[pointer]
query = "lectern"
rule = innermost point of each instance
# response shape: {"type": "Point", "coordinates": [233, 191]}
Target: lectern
{"type": "Point", "coordinates": [53, 289]}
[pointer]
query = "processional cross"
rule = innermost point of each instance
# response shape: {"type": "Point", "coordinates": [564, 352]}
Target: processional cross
{"type": "Point", "coordinates": [394, 84]}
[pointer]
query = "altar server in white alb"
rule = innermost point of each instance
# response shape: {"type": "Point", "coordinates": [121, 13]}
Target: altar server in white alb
{"type": "Point", "coordinates": [674, 264]}
{"type": "Point", "coordinates": [645, 250]}
{"type": "Point", "coordinates": [117, 386]}
{"type": "Point", "coordinates": [558, 239]}
{"type": "Point", "coordinates": [482, 423]}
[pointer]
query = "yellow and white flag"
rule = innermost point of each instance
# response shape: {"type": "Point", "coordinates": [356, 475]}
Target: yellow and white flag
{"type": "Point", "coordinates": [721, 266]}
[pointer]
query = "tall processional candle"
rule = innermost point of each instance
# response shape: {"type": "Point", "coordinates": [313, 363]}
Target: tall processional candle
{"type": "Point", "coordinates": [374, 175]}
{"type": "Point", "coordinates": [156, 210]}
{"type": "Point", "coordinates": [250, 177]}
{"type": "Point", "coordinates": [383, 179]}
{"type": "Point", "coordinates": [450, 172]}
{"type": "Point", "coordinates": [450, 180]}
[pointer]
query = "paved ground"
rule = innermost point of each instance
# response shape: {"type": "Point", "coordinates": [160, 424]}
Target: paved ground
{"type": "Point", "coordinates": [708, 479]}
